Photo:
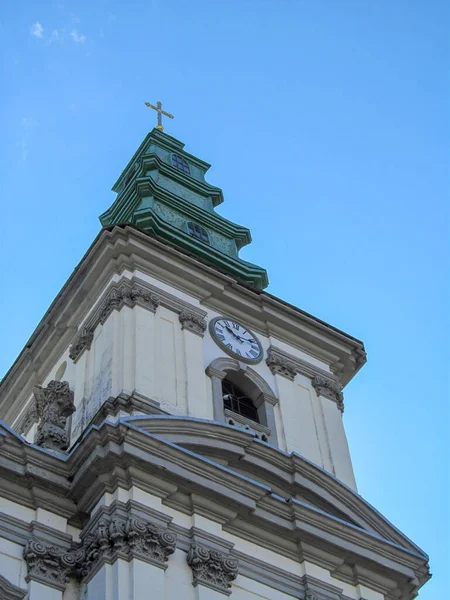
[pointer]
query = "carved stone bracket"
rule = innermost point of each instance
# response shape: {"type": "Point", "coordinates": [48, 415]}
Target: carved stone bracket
{"type": "Point", "coordinates": [329, 388]}
{"type": "Point", "coordinates": [115, 537]}
{"type": "Point", "coordinates": [192, 322]}
{"type": "Point", "coordinates": [212, 568]}
{"type": "Point", "coordinates": [50, 565]}
{"type": "Point", "coordinates": [280, 365]}
{"type": "Point", "coordinates": [53, 404]}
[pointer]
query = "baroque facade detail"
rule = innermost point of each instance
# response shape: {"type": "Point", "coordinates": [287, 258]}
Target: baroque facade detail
{"type": "Point", "coordinates": [132, 537]}
{"type": "Point", "coordinates": [53, 404]}
{"type": "Point", "coordinates": [212, 568]}
{"type": "Point", "coordinates": [329, 388]}
{"type": "Point", "coordinates": [280, 365]}
{"type": "Point", "coordinates": [192, 322]}
{"type": "Point", "coordinates": [49, 564]}
{"type": "Point", "coordinates": [133, 293]}
{"type": "Point", "coordinates": [110, 539]}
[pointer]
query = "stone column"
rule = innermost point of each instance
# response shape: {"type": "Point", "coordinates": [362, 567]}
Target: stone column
{"type": "Point", "coordinates": [217, 393]}
{"type": "Point", "coordinates": [194, 328]}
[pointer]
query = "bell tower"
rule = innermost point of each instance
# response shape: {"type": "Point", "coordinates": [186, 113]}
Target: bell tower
{"type": "Point", "coordinates": [172, 426]}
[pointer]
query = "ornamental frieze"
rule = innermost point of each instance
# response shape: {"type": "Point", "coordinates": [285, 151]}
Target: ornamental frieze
{"type": "Point", "coordinates": [53, 405]}
{"type": "Point", "coordinates": [212, 568]}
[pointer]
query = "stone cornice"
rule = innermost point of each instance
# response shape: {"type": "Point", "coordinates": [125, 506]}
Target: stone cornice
{"type": "Point", "coordinates": [326, 384]}
{"type": "Point", "coordinates": [136, 457]}
{"type": "Point", "coordinates": [134, 292]}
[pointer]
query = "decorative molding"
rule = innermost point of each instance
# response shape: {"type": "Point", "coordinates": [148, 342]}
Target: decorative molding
{"type": "Point", "coordinates": [53, 404]}
{"type": "Point", "coordinates": [329, 388]}
{"type": "Point", "coordinates": [326, 384]}
{"type": "Point", "coordinates": [9, 591]}
{"type": "Point", "coordinates": [338, 540]}
{"type": "Point", "coordinates": [280, 365]}
{"type": "Point", "coordinates": [135, 292]}
{"type": "Point", "coordinates": [192, 322]}
{"type": "Point", "coordinates": [49, 564]}
{"type": "Point", "coordinates": [212, 568]}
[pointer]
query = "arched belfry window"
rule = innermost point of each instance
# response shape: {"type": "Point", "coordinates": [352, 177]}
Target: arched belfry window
{"type": "Point", "coordinates": [198, 232]}
{"type": "Point", "coordinates": [242, 398]}
{"type": "Point", "coordinates": [179, 163]}
{"type": "Point", "coordinates": [235, 400]}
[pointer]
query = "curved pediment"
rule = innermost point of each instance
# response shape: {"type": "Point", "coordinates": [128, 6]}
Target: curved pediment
{"type": "Point", "coordinates": [289, 476]}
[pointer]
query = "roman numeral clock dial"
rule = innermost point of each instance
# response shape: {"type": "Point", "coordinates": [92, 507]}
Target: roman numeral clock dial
{"type": "Point", "coordinates": [236, 339]}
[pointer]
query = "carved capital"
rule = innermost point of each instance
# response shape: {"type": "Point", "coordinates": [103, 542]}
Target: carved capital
{"type": "Point", "coordinates": [48, 564]}
{"type": "Point", "coordinates": [82, 342]}
{"type": "Point", "coordinates": [143, 297]}
{"type": "Point", "coordinates": [330, 389]}
{"type": "Point", "coordinates": [53, 404]}
{"type": "Point", "coordinates": [192, 322]}
{"type": "Point", "coordinates": [212, 568]}
{"type": "Point", "coordinates": [280, 365]}
{"type": "Point", "coordinates": [133, 537]}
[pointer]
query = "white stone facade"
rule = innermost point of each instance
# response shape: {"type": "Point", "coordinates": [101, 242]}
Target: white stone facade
{"type": "Point", "coordinates": [158, 495]}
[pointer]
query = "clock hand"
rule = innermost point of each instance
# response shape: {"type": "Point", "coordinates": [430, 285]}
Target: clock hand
{"type": "Point", "coordinates": [238, 337]}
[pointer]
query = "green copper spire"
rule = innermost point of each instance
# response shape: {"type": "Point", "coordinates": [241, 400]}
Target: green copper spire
{"type": "Point", "coordinates": [163, 191]}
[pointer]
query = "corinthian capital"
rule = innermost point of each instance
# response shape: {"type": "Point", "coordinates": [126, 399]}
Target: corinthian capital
{"type": "Point", "coordinates": [280, 365]}
{"type": "Point", "coordinates": [192, 322]}
{"type": "Point", "coordinates": [330, 389]}
{"type": "Point", "coordinates": [212, 568]}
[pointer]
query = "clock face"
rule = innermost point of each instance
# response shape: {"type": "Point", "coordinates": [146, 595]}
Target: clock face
{"type": "Point", "coordinates": [235, 339]}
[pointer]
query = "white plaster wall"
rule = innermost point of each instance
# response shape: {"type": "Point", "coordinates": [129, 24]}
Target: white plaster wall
{"type": "Point", "coordinates": [12, 565]}
{"type": "Point", "coordinates": [149, 353]}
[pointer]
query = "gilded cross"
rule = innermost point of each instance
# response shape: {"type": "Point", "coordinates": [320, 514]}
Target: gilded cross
{"type": "Point", "coordinates": [160, 112]}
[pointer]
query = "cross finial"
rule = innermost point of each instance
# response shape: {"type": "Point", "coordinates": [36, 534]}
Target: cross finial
{"type": "Point", "coordinates": [160, 112]}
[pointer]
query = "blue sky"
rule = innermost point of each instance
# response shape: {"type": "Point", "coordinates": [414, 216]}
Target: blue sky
{"type": "Point", "coordinates": [326, 123]}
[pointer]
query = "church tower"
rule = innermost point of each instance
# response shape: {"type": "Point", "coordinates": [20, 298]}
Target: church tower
{"type": "Point", "coordinates": [171, 430]}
